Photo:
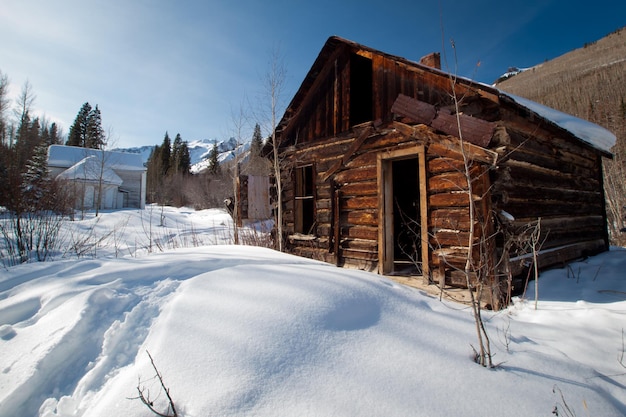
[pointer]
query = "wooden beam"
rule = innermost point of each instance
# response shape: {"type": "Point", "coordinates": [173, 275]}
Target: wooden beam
{"type": "Point", "coordinates": [447, 146]}
{"type": "Point", "coordinates": [423, 187]}
{"type": "Point", "coordinates": [416, 110]}
{"type": "Point", "coordinates": [473, 130]}
{"type": "Point", "coordinates": [348, 154]}
{"type": "Point", "coordinates": [557, 256]}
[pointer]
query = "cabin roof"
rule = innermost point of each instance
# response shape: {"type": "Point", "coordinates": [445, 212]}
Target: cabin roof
{"type": "Point", "coordinates": [589, 133]}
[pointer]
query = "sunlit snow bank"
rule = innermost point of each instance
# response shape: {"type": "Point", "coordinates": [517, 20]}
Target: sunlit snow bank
{"type": "Point", "coordinates": [246, 331]}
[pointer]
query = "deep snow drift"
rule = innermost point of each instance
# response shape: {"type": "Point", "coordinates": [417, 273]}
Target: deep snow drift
{"type": "Point", "coordinates": [240, 330]}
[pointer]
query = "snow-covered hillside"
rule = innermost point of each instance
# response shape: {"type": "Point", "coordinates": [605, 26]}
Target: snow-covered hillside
{"type": "Point", "coordinates": [227, 152]}
{"type": "Point", "coordinates": [247, 331]}
{"type": "Point", "coordinates": [199, 151]}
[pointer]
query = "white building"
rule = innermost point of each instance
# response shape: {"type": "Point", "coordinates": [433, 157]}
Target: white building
{"type": "Point", "coordinates": [120, 176]}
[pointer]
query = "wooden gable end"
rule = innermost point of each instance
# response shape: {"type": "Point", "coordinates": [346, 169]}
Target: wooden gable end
{"type": "Point", "coordinates": [350, 84]}
{"type": "Point", "coordinates": [324, 112]}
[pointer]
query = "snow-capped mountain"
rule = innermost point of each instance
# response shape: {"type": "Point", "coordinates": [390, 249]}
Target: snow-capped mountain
{"type": "Point", "coordinates": [511, 72]}
{"type": "Point", "coordinates": [199, 151]}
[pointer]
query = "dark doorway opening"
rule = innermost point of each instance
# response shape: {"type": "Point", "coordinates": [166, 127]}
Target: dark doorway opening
{"type": "Point", "coordinates": [406, 217]}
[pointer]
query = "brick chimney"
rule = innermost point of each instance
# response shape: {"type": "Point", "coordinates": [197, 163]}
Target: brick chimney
{"type": "Point", "coordinates": [432, 60]}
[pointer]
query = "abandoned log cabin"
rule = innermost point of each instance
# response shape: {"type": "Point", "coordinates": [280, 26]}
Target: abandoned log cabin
{"type": "Point", "coordinates": [374, 170]}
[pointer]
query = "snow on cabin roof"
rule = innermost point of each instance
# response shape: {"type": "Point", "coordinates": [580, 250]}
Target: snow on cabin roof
{"type": "Point", "coordinates": [67, 156]}
{"type": "Point", "coordinates": [91, 169]}
{"type": "Point", "coordinates": [594, 135]}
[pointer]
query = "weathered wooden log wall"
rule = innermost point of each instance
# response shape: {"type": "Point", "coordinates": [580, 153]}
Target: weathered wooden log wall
{"type": "Point", "coordinates": [539, 175]}
{"type": "Point", "coordinates": [449, 217]}
{"type": "Point", "coordinates": [543, 174]}
{"type": "Point", "coordinates": [346, 206]}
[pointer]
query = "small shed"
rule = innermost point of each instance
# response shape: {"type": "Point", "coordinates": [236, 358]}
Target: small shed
{"type": "Point", "coordinates": [375, 168]}
{"type": "Point", "coordinates": [119, 176]}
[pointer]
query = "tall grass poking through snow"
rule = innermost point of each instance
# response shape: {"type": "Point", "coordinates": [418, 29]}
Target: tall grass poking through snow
{"type": "Point", "coordinates": [50, 236]}
{"type": "Point", "coordinates": [29, 236]}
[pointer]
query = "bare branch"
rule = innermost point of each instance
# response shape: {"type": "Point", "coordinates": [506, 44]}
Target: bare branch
{"type": "Point", "coordinates": [144, 394]}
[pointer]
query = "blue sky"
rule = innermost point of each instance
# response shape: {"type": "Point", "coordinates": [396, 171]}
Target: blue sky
{"type": "Point", "coordinates": [187, 66]}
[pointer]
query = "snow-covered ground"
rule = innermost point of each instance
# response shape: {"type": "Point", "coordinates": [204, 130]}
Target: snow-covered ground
{"type": "Point", "coordinates": [247, 331]}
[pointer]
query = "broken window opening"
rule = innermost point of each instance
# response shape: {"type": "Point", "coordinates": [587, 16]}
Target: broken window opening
{"type": "Point", "coordinates": [360, 89]}
{"type": "Point", "coordinates": [304, 199]}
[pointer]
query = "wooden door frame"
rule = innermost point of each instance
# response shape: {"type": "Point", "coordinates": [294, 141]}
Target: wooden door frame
{"type": "Point", "coordinates": [385, 206]}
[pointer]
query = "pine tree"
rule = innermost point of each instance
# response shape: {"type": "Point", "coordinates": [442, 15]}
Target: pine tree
{"type": "Point", "coordinates": [176, 154]}
{"type": "Point", "coordinates": [44, 134]}
{"type": "Point", "coordinates": [27, 140]}
{"type": "Point", "coordinates": [180, 160]}
{"type": "Point", "coordinates": [166, 154]}
{"type": "Point", "coordinates": [78, 132]}
{"type": "Point", "coordinates": [257, 165]}
{"type": "Point", "coordinates": [257, 142]}
{"type": "Point", "coordinates": [154, 174]}
{"type": "Point", "coordinates": [94, 137]}
{"type": "Point", "coordinates": [185, 159]}
{"type": "Point", "coordinates": [36, 181]}
{"type": "Point", "coordinates": [214, 164]}
{"type": "Point", "coordinates": [54, 135]}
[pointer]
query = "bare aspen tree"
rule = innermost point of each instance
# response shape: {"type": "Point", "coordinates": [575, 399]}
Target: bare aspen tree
{"type": "Point", "coordinates": [614, 171]}
{"type": "Point", "coordinates": [101, 168]}
{"type": "Point", "coordinates": [100, 176]}
{"type": "Point", "coordinates": [24, 102]}
{"type": "Point", "coordinates": [274, 84]}
{"type": "Point", "coordinates": [239, 121]}
{"type": "Point", "coordinates": [535, 244]}
{"type": "Point", "coordinates": [483, 355]}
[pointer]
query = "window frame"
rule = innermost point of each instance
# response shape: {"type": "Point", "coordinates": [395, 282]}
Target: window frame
{"type": "Point", "coordinates": [305, 213]}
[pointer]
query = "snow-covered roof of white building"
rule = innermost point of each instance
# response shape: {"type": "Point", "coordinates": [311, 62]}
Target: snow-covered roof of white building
{"type": "Point", "coordinates": [596, 136]}
{"type": "Point", "coordinates": [67, 156]}
{"type": "Point", "coordinates": [91, 169]}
